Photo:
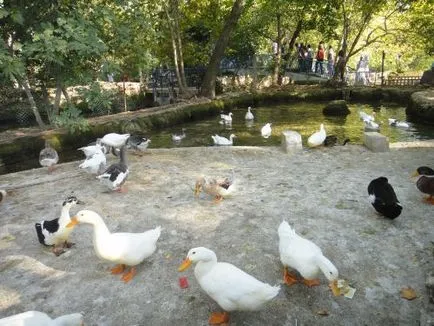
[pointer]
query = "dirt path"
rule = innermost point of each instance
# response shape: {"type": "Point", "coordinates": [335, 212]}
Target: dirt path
{"type": "Point", "coordinates": [322, 193]}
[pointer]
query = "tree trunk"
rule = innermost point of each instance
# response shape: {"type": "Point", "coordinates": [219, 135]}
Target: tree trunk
{"type": "Point", "coordinates": [178, 60]}
{"type": "Point", "coordinates": [57, 97]}
{"type": "Point", "coordinates": [25, 85]}
{"type": "Point", "coordinates": [342, 61]}
{"type": "Point", "coordinates": [208, 84]}
{"type": "Point", "coordinates": [277, 78]}
{"type": "Point", "coordinates": [295, 34]}
{"type": "Point", "coordinates": [65, 93]}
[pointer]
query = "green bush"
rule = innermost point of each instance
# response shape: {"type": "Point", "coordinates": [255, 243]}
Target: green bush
{"type": "Point", "coordinates": [98, 100]}
{"type": "Point", "coordinates": [71, 119]}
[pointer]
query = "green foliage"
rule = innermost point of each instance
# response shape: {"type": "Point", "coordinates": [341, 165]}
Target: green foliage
{"type": "Point", "coordinates": [71, 118]}
{"type": "Point", "coordinates": [99, 101]}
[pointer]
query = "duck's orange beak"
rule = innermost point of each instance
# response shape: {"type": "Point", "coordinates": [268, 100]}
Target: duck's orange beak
{"type": "Point", "coordinates": [185, 264]}
{"type": "Point", "coordinates": [73, 222]}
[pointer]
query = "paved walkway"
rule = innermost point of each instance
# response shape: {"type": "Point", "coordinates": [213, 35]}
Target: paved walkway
{"type": "Point", "coordinates": [321, 192]}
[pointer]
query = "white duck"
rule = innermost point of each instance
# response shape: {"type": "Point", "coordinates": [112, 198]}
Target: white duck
{"type": "Point", "coordinates": [317, 138]}
{"type": "Point", "coordinates": [90, 150]}
{"type": "Point", "coordinates": [124, 249]}
{"type": "Point", "coordinates": [226, 118]}
{"type": "Point", "coordinates": [249, 115]}
{"type": "Point", "coordinates": [54, 232]}
{"type": "Point", "coordinates": [232, 288]}
{"type": "Point", "coordinates": [95, 163]}
{"type": "Point", "coordinates": [223, 141]}
{"type": "Point", "coordinates": [305, 257]}
{"type": "Point", "coordinates": [371, 125]}
{"type": "Point", "coordinates": [115, 140]}
{"type": "Point", "coordinates": [366, 117]}
{"type": "Point", "coordinates": [138, 143]}
{"type": "Point", "coordinates": [179, 137]}
{"type": "Point", "coordinates": [398, 124]}
{"type": "Point", "coordinates": [116, 174]}
{"type": "Point", "coordinates": [266, 130]}
{"type": "Point", "coordinates": [36, 318]}
{"type": "Point", "coordinates": [48, 156]}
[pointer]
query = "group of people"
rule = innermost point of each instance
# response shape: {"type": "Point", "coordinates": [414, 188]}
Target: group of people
{"type": "Point", "coordinates": [306, 56]}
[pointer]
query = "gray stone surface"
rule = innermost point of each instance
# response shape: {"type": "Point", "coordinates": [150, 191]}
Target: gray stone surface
{"type": "Point", "coordinates": [291, 141]}
{"type": "Point", "coordinates": [375, 141]}
{"type": "Point", "coordinates": [336, 108]}
{"type": "Point", "coordinates": [421, 105]}
{"type": "Point", "coordinates": [321, 192]}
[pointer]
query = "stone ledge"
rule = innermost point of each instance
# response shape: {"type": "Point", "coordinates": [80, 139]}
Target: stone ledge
{"type": "Point", "coordinates": [376, 142]}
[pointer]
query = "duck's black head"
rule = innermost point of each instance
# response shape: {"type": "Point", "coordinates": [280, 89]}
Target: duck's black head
{"type": "Point", "coordinates": [71, 200]}
{"type": "Point", "coordinates": [424, 170]}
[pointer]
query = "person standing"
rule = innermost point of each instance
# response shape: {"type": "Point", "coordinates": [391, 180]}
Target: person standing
{"type": "Point", "coordinates": [320, 58]}
{"type": "Point", "coordinates": [331, 61]}
{"type": "Point", "coordinates": [309, 58]}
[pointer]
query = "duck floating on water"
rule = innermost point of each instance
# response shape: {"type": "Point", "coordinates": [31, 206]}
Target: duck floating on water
{"type": "Point", "coordinates": [124, 249]}
{"type": "Point", "coordinates": [425, 182]}
{"type": "Point", "coordinates": [178, 137]}
{"type": "Point", "coordinates": [223, 141]}
{"type": "Point", "coordinates": [37, 318]}
{"type": "Point", "coordinates": [116, 174]}
{"type": "Point", "coordinates": [398, 124]}
{"type": "Point", "coordinates": [317, 138]}
{"type": "Point", "coordinates": [48, 157]}
{"type": "Point", "coordinates": [304, 256]}
{"type": "Point", "coordinates": [54, 232]}
{"type": "Point", "coordinates": [383, 198]}
{"type": "Point", "coordinates": [266, 130]}
{"type": "Point", "coordinates": [226, 118]}
{"type": "Point", "coordinates": [232, 288]}
{"type": "Point", "coordinates": [219, 188]}
{"type": "Point", "coordinates": [249, 115]}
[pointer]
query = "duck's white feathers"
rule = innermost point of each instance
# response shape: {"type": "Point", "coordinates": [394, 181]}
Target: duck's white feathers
{"type": "Point", "coordinates": [223, 141]}
{"type": "Point", "coordinates": [249, 115]}
{"type": "Point", "coordinates": [227, 118]}
{"type": "Point", "coordinates": [303, 255]}
{"type": "Point", "coordinates": [95, 163]}
{"type": "Point", "coordinates": [115, 140]}
{"type": "Point", "coordinates": [48, 156]}
{"type": "Point", "coordinates": [121, 248]}
{"type": "Point", "coordinates": [230, 287]}
{"type": "Point", "coordinates": [266, 130]}
{"type": "Point", "coordinates": [36, 318]}
{"type": "Point", "coordinates": [317, 138]}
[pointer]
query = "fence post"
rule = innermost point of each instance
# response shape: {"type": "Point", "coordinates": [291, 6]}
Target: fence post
{"type": "Point", "coordinates": [382, 67]}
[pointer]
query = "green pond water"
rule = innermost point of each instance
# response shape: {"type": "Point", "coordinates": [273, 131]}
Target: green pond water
{"type": "Point", "coordinates": [302, 117]}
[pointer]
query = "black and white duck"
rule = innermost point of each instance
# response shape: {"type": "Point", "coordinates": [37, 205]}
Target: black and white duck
{"type": "Point", "coordinates": [116, 174]}
{"type": "Point", "coordinates": [54, 232]}
{"type": "Point", "coordinates": [138, 143]}
{"type": "Point", "coordinates": [425, 182]}
{"type": "Point", "coordinates": [383, 198]}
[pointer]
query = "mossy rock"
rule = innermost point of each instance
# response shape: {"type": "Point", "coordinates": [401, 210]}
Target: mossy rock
{"type": "Point", "coordinates": [421, 106]}
{"type": "Point", "coordinates": [336, 108]}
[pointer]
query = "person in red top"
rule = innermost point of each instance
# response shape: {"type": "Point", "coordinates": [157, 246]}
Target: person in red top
{"type": "Point", "coordinates": [320, 54]}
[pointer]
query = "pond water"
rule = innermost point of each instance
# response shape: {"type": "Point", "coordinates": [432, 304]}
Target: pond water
{"type": "Point", "coordinates": [303, 117]}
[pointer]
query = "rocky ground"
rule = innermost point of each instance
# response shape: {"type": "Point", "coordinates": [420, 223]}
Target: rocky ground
{"type": "Point", "coordinates": [321, 192]}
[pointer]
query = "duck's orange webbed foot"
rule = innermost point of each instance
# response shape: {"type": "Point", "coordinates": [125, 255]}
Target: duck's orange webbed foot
{"type": "Point", "coordinates": [218, 199]}
{"type": "Point", "coordinates": [118, 269]}
{"type": "Point", "coordinates": [129, 276]}
{"type": "Point", "coordinates": [289, 278]}
{"type": "Point", "coordinates": [218, 318]}
{"type": "Point", "coordinates": [311, 283]}
{"type": "Point", "coordinates": [430, 200]}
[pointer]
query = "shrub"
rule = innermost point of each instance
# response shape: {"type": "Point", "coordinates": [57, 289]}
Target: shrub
{"type": "Point", "coordinates": [71, 118]}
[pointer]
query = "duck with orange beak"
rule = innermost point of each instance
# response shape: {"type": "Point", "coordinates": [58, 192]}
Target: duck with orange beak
{"type": "Point", "coordinates": [124, 249]}
{"type": "Point", "coordinates": [232, 288]}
